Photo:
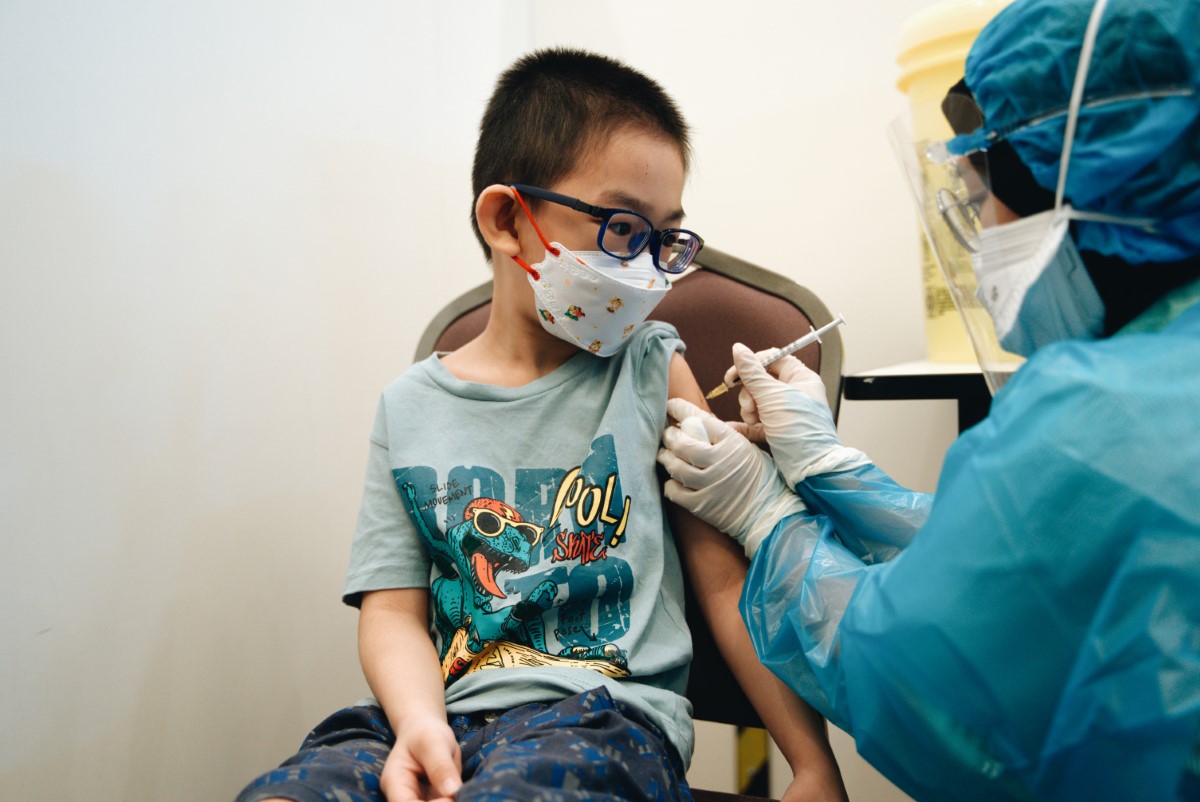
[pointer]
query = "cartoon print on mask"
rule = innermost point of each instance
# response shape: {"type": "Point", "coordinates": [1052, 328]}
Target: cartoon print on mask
{"type": "Point", "coordinates": [546, 316]}
{"type": "Point", "coordinates": [574, 312]}
{"type": "Point", "coordinates": [613, 305]}
{"type": "Point", "coordinates": [479, 551]}
{"type": "Point", "coordinates": [596, 346]}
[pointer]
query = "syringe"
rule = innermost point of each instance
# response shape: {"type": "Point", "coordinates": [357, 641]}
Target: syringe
{"type": "Point", "coordinates": [813, 336]}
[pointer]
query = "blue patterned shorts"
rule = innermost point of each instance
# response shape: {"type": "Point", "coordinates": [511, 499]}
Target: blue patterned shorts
{"type": "Point", "coordinates": [587, 747]}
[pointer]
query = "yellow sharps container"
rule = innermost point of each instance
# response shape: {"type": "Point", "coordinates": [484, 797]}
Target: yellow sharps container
{"type": "Point", "coordinates": [933, 51]}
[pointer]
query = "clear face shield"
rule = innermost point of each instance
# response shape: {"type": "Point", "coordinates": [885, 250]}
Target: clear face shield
{"type": "Point", "coordinates": [955, 203]}
{"type": "Point", "coordinates": [1000, 238]}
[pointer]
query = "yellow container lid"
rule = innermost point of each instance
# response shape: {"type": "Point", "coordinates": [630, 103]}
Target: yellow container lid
{"type": "Point", "coordinates": [939, 37]}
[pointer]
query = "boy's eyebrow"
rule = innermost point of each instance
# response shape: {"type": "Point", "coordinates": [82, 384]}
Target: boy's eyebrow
{"type": "Point", "coordinates": [619, 200]}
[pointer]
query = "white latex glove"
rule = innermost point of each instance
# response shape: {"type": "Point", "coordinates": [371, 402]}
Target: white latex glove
{"type": "Point", "coordinates": [788, 370]}
{"type": "Point", "coordinates": [725, 479]}
{"type": "Point", "coordinates": [792, 413]}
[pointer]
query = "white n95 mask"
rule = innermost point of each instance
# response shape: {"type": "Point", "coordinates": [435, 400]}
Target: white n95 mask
{"type": "Point", "coordinates": [594, 300]}
{"type": "Point", "coordinates": [1034, 285]}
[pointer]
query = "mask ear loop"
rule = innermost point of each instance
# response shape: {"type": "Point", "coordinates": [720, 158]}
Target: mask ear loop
{"type": "Point", "coordinates": [525, 265]}
{"type": "Point", "coordinates": [1081, 73]}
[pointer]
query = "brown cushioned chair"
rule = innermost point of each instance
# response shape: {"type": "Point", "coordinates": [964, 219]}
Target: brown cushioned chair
{"type": "Point", "coordinates": [725, 300]}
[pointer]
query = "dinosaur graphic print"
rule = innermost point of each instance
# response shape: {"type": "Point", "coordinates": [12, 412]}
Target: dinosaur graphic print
{"type": "Point", "coordinates": [536, 580]}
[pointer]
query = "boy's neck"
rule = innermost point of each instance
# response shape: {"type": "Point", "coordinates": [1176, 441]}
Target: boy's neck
{"type": "Point", "coordinates": [512, 351]}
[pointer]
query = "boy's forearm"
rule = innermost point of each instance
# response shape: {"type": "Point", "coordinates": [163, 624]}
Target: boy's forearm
{"type": "Point", "coordinates": [717, 568]}
{"type": "Point", "coordinates": [398, 657]}
{"type": "Point", "coordinates": [798, 729]}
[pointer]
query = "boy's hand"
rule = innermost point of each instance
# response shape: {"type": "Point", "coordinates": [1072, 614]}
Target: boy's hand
{"type": "Point", "coordinates": [425, 764]}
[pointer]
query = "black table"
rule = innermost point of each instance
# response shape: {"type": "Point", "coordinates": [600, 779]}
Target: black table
{"type": "Point", "coordinates": [960, 381]}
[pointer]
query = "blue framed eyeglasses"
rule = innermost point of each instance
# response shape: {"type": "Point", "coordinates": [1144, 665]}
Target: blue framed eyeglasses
{"type": "Point", "coordinates": [625, 234]}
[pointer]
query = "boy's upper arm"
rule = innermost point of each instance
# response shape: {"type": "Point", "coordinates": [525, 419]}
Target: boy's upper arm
{"type": "Point", "coordinates": [409, 601]}
{"type": "Point", "coordinates": [681, 382]}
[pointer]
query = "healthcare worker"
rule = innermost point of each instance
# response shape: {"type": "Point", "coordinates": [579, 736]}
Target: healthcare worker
{"type": "Point", "coordinates": [1033, 630]}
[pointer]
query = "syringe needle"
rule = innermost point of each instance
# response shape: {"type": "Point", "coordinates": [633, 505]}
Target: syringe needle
{"type": "Point", "coordinates": [814, 335]}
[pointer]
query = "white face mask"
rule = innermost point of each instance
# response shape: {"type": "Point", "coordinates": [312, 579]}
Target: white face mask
{"type": "Point", "coordinates": [594, 300]}
{"type": "Point", "coordinates": [1034, 285]}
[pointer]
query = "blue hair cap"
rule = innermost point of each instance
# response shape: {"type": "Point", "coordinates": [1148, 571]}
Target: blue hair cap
{"type": "Point", "coordinates": [1137, 142]}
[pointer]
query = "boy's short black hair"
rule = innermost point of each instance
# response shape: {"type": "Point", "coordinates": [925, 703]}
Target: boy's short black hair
{"type": "Point", "coordinates": [551, 107]}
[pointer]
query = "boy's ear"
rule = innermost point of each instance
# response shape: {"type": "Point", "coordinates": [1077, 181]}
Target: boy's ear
{"type": "Point", "coordinates": [496, 211]}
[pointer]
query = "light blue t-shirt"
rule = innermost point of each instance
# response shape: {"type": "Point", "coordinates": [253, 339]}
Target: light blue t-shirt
{"type": "Point", "coordinates": [534, 515]}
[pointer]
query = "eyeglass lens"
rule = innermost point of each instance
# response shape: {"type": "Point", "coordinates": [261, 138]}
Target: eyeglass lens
{"type": "Point", "coordinates": [626, 234]}
{"type": "Point", "coordinates": [961, 217]}
{"type": "Point", "coordinates": [677, 249]}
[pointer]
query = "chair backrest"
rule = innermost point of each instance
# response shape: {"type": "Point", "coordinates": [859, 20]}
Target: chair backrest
{"type": "Point", "coordinates": [725, 300]}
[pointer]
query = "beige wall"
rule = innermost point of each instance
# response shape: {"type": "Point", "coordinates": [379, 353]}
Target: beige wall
{"type": "Point", "coordinates": [223, 226]}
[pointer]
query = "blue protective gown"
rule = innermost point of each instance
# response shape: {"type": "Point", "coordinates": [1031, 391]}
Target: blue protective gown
{"type": "Point", "coordinates": [1033, 631]}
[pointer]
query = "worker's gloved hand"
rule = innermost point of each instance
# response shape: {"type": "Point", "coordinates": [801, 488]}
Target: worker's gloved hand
{"type": "Point", "coordinates": [790, 371]}
{"type": "Point", "coordinates": [724, 479]}
{"type": "Point", "coordinates": [790, 410]}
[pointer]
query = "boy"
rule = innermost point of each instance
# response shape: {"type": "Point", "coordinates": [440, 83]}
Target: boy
{"type": "Point", "coordinates": [529, 487]}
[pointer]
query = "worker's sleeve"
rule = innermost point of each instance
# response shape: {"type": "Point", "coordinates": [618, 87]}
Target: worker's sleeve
{"type": "Point", "coordinates": [798, 590]}
{"type": "Point", "coordinates": [1036, 638]}
{"type": "Point", "coordinates": [875, 518]}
